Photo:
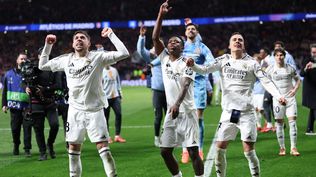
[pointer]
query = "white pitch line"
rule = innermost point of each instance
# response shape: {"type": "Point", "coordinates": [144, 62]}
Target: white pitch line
{"type": "Point", "coordinates": [209, 161]}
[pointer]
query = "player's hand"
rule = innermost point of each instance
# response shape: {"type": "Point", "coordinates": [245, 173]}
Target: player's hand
{"type": "Point", "coordinates": [174, 111]}
{"type": "Point", "coordinates": [164, 8]}
{"type": "Point", "coordinates": [282, 101]}
{"type": "Point", "coordinates": [308, 66]}
{"type": "Point", "coordinates": [50, 39]}
{"type": "Point", "coordinates": [4, 109]}
{"type": "Point", "coordinates": [105, 32]}
{"type": "Point", "coordinates": [190, 62]}
{"type": "Point", "coordinates": [187, 21]}
{"type": "Point", "coordinates": [292, 92]}
{"type": "Point", "coordinates": [28, 91]}
{"type": "Point", "coordinates": [142, 30]}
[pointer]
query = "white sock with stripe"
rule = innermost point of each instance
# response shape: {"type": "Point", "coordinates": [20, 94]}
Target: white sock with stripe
{"type": "Point", "coordinates": [293, 133]}
{"type": "Point", "coordinates": [253, 163]}
{"type": "Point", "coordinates": [108, 161]}
{"type": "Point", "coordinates": [280, 134]}
{"type": "Point", "coordinates": [220, 162]}
{"type": "Point", "coordinates": [75, 167]}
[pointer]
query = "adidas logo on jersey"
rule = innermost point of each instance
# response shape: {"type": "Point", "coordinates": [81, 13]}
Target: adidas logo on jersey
{"type": "Point", "coordinates": [71, 65]}
{"type": "Point", "coordinates": [227, 64]}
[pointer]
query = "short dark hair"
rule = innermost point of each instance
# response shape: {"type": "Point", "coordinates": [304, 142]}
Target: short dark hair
{"type": "Point", "coordinates": [192, 24]}
{"type": "Point", "coordinates": [312, 46]}
{"type": "Point", "coordinates": [182, 40]}
{"type": "Point", "coordinates": [279, 42]}
{"type": "Point", "coordinates": [23, 52]}
{"type": "Point", "coordinates": [235, 33]}
{"type": "Point", "coordinates": [280, 50]}
{"type": "Point", "coordinates": [82, 32]}
{"type": "Point", "coordinates": [266, 50]}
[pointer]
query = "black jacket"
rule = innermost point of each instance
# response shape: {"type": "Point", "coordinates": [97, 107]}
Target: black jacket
{"type": "Point", "coordinates": [309, 85]}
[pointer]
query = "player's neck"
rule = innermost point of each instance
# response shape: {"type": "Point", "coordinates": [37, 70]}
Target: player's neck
{"type": "Point", "coordinates": [82, 53]}
{"type": "Point", "coordinates": [174, 57]}
{"type": "Point", "coordinates": [191, 40]}
{"type": "Point", "coordinates": [280, 65]}
{"type": "Point", "coordinates": [237, 55]}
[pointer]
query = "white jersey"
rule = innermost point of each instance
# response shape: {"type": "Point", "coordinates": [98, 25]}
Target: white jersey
{"type": "Point", "coordinates": [237, 79]}
{"type": "Point", "coordinates": [172, 73]}
{"type": "Point", "coordinates": [84, 74]}
{"type": "Point", "coordinates": [282, 77]}
{"type": "Point", "coordinates": [111, 83]}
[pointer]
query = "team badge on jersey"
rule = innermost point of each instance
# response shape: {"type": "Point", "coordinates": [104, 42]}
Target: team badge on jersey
{"type": "Point", "coordinates": [188, 71]}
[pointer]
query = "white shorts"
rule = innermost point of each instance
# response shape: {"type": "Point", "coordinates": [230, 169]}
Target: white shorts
{"type": "Point", "coordinates": [182, 131]}
{"type": "Point", "coordinates": [290, 109]}
{"type": "Point", "coordinates": [247, 125]}
{"type": "Point", "coordinates": [79, 122]}
{"type": "Point", "coordinates": [258, 101]}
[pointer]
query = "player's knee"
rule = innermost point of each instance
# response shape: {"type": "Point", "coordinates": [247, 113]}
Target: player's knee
{"type": "Point", "coordinates": [165, 153]}
{"type": "Point", "coordinates": [193, 153]}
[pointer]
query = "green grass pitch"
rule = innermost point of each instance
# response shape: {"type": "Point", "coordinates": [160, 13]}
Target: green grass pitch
{"type": "Point", "coordinates": [139, 158]}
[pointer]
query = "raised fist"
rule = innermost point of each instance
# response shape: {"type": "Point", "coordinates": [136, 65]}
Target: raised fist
{"type": "Point", "coordinates": [50, 39]}
{"type": "Point", "coordinates": [164, 8]}
{"type": "Point", "coordinates": [190, 62]}
{"type": "Point", "coordinates": [187, 21]}
{"type": "Point", "coordinates": [142, 30]}
{"type": "Point", "coordinates": [106, 31]}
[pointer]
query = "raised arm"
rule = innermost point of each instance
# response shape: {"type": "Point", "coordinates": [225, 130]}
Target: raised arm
{"type": "Point", "coordinates": [44, 58]}
{"type": "Point", "coordinates": [141, 49]}
{"type": "Point", "coordinates": [114, 56]}
{"type": "Point", "coordinates": [204, 69]}
{"type": "Point", "coordinates": [158, 44]}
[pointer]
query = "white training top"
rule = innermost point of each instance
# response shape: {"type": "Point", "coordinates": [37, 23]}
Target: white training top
{"type": "Point", "coordinates": [111, 83]}
{"type": "Point", "coordinates": [282, 77]}
{"type": "Point", "coordinates": [237, 79]}
{"type": "Point", "coordinates": [84, 74]}
{"type": "Point", "coordinates": [172, 73]}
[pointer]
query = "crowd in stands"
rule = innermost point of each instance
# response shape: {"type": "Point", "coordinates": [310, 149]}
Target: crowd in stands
{"type": "Point", "coordinates": [296, 35]}
{"type": "Point", "coordinates": [22, 11]}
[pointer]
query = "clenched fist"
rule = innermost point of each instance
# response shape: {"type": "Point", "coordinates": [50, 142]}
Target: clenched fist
{"type": "Point", "coordinates": [142, 30]}
{"type": "Point", "coordinates": [190, 62]}
{"type": "Point", "coordinates": [106, 31]}
{"type": "Point", "coordinates": [50, 39]}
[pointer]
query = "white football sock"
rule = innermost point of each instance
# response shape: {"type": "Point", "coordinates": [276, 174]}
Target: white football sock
{"type": "Point", "coordinates": [108, 161]}
{"type": "Point", "coordinates": [293, 133]}
{"type": "Point", "coordinates": [75, 167]}
{"type": "Point", "coordinates": [220, 162]}
{"type": "Point", "coordinates": [280, 134]}
{"type": "Point", "coordinates": [253, 162]}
